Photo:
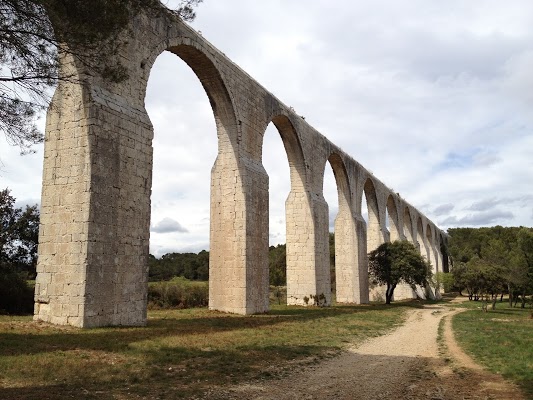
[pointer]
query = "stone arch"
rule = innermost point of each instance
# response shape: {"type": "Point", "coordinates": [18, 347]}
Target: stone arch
{"type": "Point", "coordinates": [430, 240]}
{"type": "Point", "coordinates": [408, 226]}
{"type": "Point", "coordinates": [115, 135]}
{"type": "Point", "coordinates": [97, 180]}
{"type": "Point", "coordinates": [298, 214]}
{"type": "Point", "coordinates": [403, 290]}
{"type": "Point", "coordinates": [223, 211]}
{"type": "Point", "coordinates": [432, 257]}
{"type": "Point", "coordinates": [293, 150]}
{"type": "Point", "coordinates": [420, 238]}
{"type": "Point", "coordinates": [374, 235]}
{"type": "Point", "coordinates": [213, 83]}
{"type": "Point", "coordinates": [347, 277]}
{"type": "Point", "coordinates": [423, 249]}
{"type": "Point", "coordinates": [394, 221]}
{"type": "Point", "coordinates": [341, 179]}
{"type": "Point", "coordinates": [443, 245]}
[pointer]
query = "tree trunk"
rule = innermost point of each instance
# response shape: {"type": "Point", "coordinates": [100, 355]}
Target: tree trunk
{"type": "Point", "coordinates": [484, 301]}
{"type": "Point", "coordinates": [388, 293]}
{"type": "Point", "coordinates": [510, 294]}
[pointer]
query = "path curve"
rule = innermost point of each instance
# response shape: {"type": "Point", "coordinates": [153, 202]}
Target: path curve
{"type": "Point", "coordinates": [403, 364]}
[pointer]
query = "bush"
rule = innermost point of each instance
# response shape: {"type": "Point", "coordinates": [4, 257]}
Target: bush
{"type": "Point", "coordinates": [446, 281]}
{"type": "Point", "coordinates": [16, 297]}
{"type": "Point", "coordinates": [178, 293]}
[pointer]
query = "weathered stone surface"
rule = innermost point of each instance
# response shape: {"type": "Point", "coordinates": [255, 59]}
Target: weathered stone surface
{"type": "Point", "coordinates": [97, 179]}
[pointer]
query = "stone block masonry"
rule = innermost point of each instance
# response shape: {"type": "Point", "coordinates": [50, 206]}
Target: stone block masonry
{"type": "Point", "coordinates": [97, 179]}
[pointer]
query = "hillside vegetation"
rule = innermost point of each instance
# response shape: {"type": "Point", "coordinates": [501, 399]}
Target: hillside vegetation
{"type": "Point", "coordinates": [489, 263]}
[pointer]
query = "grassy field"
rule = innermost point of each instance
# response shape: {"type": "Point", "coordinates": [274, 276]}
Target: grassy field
{"type": "Point", "coordinates": [501, 340]}
{"type": "Point", "coordinates": [180, 352]}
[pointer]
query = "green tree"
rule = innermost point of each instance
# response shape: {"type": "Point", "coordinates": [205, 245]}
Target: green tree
{"type": "Point", "coordinates": [277, 265]}
{"type": "Point", "coordinates": [188, 265]}
{"type": "Point", "coordinates": [492, 261]}
{"type": "Point", "coordinates": [34, 36]}
{"type": "Point", "coordinates": [395, 262]}
{"type": "Point", "coordinates": [18, 254]}
{"type": "Point", "coordinates": [446, 279]}
{"type": "Point", "coordinates": [524, 265]}
{"type": "Point", "coordinates": [202, 273]}
{"type": "Point", "coordinates": [19, 235]}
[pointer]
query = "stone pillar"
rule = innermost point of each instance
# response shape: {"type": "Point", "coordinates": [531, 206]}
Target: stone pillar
{"type": "Point", "coordinates": [362, 259]}
{"type": "Point", "coordinates": [63, 231]}
{"type": "Point", "coordinates": [93, 247]}
{"type": "Point", "coordinates": [375, 237]}
{"type": "Point", "coordinates": [374, 233]}
{"type": "Point", "coordinates": [308, 278]}
{"type": "Point", "coordinates": [347, 258]}
{"type": "Point", "coordinates": [238, 262]}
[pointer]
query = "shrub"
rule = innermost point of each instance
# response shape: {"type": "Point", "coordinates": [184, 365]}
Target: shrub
{"type": "Point", "coordinates": [446, 281]}
{"type": "Point", "coordinates": [16, 297]}
{"type": "Point", "coordinates": [178, 293]}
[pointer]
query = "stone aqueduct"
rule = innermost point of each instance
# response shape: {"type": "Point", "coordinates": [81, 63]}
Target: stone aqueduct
{"type": "Point", "coordinates": [95, 210]}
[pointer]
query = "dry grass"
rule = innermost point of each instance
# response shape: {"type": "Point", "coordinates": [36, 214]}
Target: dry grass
{"type": "Point", "coordinates": [179, 353]}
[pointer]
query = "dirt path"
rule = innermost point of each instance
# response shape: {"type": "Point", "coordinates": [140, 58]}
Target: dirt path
{"type": "Point", "coordinates": [404, 364]}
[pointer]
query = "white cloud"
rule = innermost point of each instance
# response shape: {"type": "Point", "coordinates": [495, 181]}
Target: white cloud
{"type": "Point", "coordinates": [434, 97]}
{"type": "Point", "coordinates": [483, 218]}
{"type": "Point", "coordinates": [443, 209]}
{"type": "Point", "coordinates": [168, 225]}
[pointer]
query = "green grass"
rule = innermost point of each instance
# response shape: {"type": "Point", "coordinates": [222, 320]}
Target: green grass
{"type": "Point", "coordinates": [180, 352]}
{"type": "Point", "coordinates": [501, 340]}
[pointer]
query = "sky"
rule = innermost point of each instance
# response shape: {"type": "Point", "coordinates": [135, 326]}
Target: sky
{"type": "Point", "coordinates": [434, 97]}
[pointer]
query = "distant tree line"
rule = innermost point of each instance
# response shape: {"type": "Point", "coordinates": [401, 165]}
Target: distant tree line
{"type": "Point", "coordinates": [486, 263]}
{"type": "Point", "coordinates": [196, 266]}
{"type": "Point", "coordinates": [489, 263]}
{"type": "Point", "coordinates": [188, 265]}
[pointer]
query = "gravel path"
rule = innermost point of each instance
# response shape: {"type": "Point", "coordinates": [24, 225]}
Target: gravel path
{"type": "Point", "coordinates": [404, 364]}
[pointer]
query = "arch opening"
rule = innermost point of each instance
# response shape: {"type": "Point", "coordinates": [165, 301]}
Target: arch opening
{"type": "Point", "coordinates": [288, 209]}
{"type": "Point", "coordinates": [343, 244]}
{"type": "Point", "coordinates": [279, 174]}
{"type": "Point", "coordinates": [408, 226]}
{"type": "Point", "coordinates": [216, 91]}
{"type": "Point", "coordinates": [392, 220]}
{"type": "Point", "coordinates": [432, 256]}
{"type": "Point", "coordinates": [444, 253]}
{"type": "Point", "coordinates": [330, 192]}
{"type": "Point", "coordinates": [180, 200]}
{"type": "Point", "coordinates": [374, 234]}
{"type": "Point", "coordinates": [205, 197]}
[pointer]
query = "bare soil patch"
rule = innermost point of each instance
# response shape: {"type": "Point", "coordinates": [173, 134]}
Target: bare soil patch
{"type": "Point", "coordinates": [407, 363]}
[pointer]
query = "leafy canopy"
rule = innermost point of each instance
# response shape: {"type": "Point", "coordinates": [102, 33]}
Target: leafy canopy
{"type": "Point", "coordinates": [396, 262]}
{"type": "Point", "coordinates": [19, 231]}
{"type": "Point", "coordinates": [493, 260]}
